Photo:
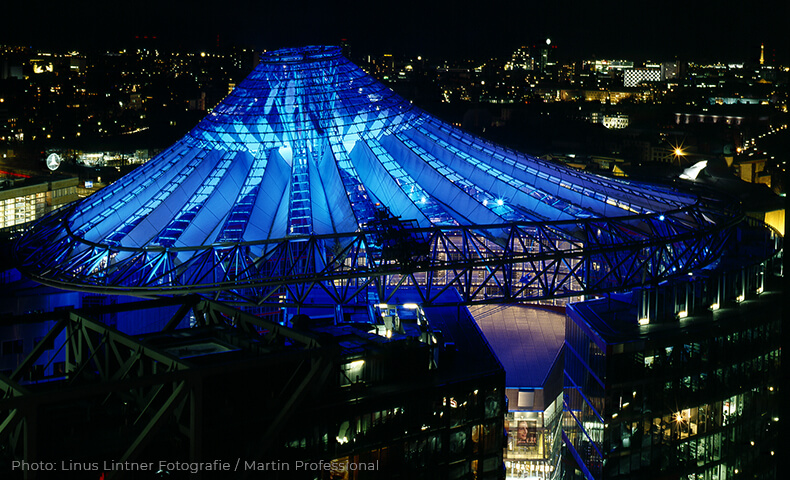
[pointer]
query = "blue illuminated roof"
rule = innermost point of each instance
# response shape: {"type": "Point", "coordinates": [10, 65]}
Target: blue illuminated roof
{"type": "Point", "coordinates": [309, 144]}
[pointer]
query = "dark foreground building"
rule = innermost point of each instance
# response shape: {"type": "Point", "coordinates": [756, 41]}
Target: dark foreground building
{"type": "Point", "coordinates": [693, 394]}
{"type": "Point", "coordinates": [700, 398]}
{"type": "Point", "coordinates": [319, 400]}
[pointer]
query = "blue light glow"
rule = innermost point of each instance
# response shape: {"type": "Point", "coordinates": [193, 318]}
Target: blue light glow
{"type": "Point", "coordinates": [309, 144]}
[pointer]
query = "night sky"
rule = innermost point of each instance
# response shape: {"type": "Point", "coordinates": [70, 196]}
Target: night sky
{"type": "Point", "coordinates": [689, 30]}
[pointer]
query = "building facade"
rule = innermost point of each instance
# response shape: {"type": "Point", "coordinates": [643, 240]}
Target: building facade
{"type": "Point", "coordinates": [210, 382]}
{"type": "Point", "coordinates": [695, 397]}
{"type": "Point", "coordinates": [25, 200]}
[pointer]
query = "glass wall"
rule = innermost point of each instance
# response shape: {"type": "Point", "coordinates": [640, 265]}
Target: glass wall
{"type": "Point", "coordinates": [533, 442]}
{"type": "Point", "coordinates": [22, 209]}
{"type": "Point", "coordinates": [585, 368]}
{"type": "Point", "coordinates": [698, 403]}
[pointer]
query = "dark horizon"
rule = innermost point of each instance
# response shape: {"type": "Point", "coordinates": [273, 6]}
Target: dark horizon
{"type": "Point", "coordinates": [611, 29]}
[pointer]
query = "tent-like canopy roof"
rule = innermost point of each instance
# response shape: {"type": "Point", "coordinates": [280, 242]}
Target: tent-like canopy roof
{"type": "Point", "coordinates": [309, 145]}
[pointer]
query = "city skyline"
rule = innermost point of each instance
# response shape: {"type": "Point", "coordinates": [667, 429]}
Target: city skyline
{"type": "Point", "coordinates": [723, 31]}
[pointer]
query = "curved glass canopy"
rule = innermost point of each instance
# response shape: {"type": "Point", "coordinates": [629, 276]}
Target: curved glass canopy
{"type": "Point", "coordinates": [308, 146]}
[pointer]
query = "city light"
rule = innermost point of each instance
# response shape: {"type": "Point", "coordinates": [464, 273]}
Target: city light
{"type": "Point", "coordinates": [677, 151]}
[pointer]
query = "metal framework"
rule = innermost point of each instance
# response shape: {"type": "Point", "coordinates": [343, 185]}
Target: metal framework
{"type": "Point", "coordinates": [313, 178]}
{"type": "Point", "coordinates": [151, 387]}
{"type": "Point", "coordinates": [486, 264]}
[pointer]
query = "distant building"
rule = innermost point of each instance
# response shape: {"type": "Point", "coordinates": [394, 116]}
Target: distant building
{"type": "Point", "coordinates": [739, 101]}
{"type": "Point", "coordinates": [753, 171]}
{"type": "Point", "coordinates": [670, 70]}
{"type": "Point", "coordinates": [611, 97]}
{"type": "Point", "coordinates": [704, 117]}
{"type": "Point", "coordinates": [521, 60]}
{"type": "Point", "coordinates": [112, 159]}
{"type": "Point", "coordinates": [607, 66]}
{"type": "Point", "coordinates": [25, 200]}
{"type": "Point", "coordinates": [615, 121]}
{"type": "Point", "coordinates": [9, 130]}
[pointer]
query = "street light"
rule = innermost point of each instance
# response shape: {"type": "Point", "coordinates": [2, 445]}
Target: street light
{"type": "Point", "coordinates": [678, 152]}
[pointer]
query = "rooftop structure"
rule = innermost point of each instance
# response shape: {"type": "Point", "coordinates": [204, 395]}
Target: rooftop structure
{"type": "Point", "coordinates": [177, 400]}
{"type": "Point", "coordinates": [312, 174]}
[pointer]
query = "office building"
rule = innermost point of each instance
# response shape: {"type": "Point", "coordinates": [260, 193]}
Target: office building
{"type": "Point", "coordinates": [26, 199]}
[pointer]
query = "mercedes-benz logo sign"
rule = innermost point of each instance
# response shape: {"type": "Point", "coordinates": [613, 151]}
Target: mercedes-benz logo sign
{"type": "Point", "coordinates": [53, 161]}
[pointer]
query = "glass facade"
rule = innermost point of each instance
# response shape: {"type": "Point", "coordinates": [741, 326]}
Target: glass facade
{"type": "Point", "coordinates": [533, 442]}
{"type": "Point", "coordinates": [455, 436]}
{"type": "Point", "coordinates": [31, 201]}
{"type": "Point", "coordinates": [697, 401]}
{"type": "Point", "coordinates": [22, 209]}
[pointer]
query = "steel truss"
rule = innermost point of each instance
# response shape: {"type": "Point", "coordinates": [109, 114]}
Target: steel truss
{"type": "Point", "coordinates": [485, 264]}
{"type": "Point", "coordinates": [151, 387]}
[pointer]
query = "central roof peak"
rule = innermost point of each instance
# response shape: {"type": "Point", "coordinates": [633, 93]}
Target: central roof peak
{"type": "Point", "coordinates": [310, 144]}
{"type": "Point", "coordinates": [301, 55]}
